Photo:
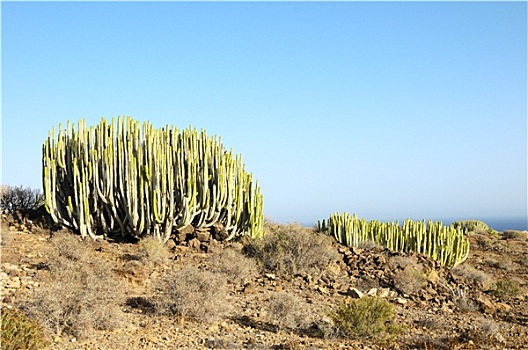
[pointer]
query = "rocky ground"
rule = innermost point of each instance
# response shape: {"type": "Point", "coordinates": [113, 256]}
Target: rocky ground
{"type": "Point", "coordinates": [481, 304]}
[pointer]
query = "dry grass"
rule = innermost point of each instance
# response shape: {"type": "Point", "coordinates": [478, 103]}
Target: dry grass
{"type": "Point", "coordinates": [469, 272]}
{"type": "Point", "coordinates": [191, 293]}
{"type": "Point", "coordinates": [152, 251]}
{"type": "Point", "coordinates": [286, 310]}
{"type": "Point", "coordinates": [410, 280]}
{"type": "Point", "coordinates": [235, 266]}
{"type": "Point", "coordinates": [293, 250]}
{"type": "Point", "coordinates": [513, 234]}
{"type": "Point", "coordinates": [80, 294]}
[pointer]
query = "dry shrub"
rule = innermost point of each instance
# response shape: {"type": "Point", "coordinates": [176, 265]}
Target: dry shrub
{"type": "Point", "coordinates": [506, 288]}
{"type": "Point", "coordinates": [19, 332]}
{"type": "Point", "coordinates": [231, 263]}
{"type": "Point", "coordinates": [409, 276]}
{"type": "Point", "coordinates": [410, 280]}
{"type": "Point", "coordinates": [462, 300]}
{"type": "Point", "coordinates": [366, 317]}
{"type": "Point", "coordinates": [286, 310]}
{"type": "Point", "coordinates": [469, 272]}
{"type": "Point", "coordinates": [80, 294]}
{"type": "Point", "coordinates": [13, 199]}
{"type": "Point", "coordinates": [514, 234]}
{"type": "Point", "coordinates": [292, 249]}
{"type": "Point", "coordinates": [195, 294]}
{"type": "Point", "coordinates": [151, 250]}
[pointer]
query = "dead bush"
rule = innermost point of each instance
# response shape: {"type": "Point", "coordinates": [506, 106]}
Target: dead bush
{"type": "Point", "coordinates": [152, 251]}
{"type": "Point", "coordinates": [470, 273]}
{"type": "Point", "coordinates": [515, 234]}
{"type": "Point", "coordinates": [79, 295]}
{"type": "Point", "coordinates": [22, 199]}
{"type": "Point", "coordinates": [410, 280]}
{"type": "Point", "coordinates": [235, 266]}
{"type": "Point", "coordinates": [191, 293]}
{"type": "Point", "coordinates": [286, 310]}
{"type": "Point", "coordinates": [292, 249]}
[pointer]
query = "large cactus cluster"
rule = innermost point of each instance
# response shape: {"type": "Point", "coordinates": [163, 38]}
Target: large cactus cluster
{"type": "Point", "coordinates": [446, 244]}
{"type": "Point", "coordinates": [131, 178]}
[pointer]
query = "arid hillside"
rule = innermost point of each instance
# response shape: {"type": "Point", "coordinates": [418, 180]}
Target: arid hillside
{"type": "Point", "coordinates": [295, 289]}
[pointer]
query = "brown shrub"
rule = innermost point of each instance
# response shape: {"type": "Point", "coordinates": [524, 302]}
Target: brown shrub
{"type": "Point", "coordinates": [152, 251]}
{"type": "Point", "coordinates": [292, 249]}
{"type": "Point", "coordinates": [410, 280]}
{"type": "Point", "coordinates": [235, 266]}
{"type": "Point", "coordinates": [286, 310]}
{"type": "Point", "coordinates": [80, 294]}
{"type": "Point", "coordinates": [194, 293]}
{"type": "Point", "coordinates": [471, 273]}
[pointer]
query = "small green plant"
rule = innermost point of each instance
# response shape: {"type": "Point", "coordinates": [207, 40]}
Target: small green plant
{"type": "Point", "coordinates": [19, 332]}
{"type": "Point", "coordinates": [364, 317]}
{"type": "Point", "coordinates": [468, 226]}
{"type": "Point", "coordinates": [506, 288]}
{"type": "Point", "coordinates": [292, 249]}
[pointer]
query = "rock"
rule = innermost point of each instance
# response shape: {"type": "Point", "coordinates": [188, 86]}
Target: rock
{"type": "Point", "coordinates": [383, 292]}
{"type": "Point", "coordinates": [357, 250]}
{"type": "Point", "coordinates": [202, 235]}
{"type": "Point", "coordinates": [270, 276]}
{"type": "Point", "coordinates": [433, 277]}
{"type": "Point", "coordinates": [372, 292]}
{"type": "Point", "coordinates": [181, 250]}
{"type": "Point", "coordinates": [503, 307]}
{"type": "Point", "coordinates": [486, 304]}
{"type": "Point", "coordinates": [323, 290]}
{"type": "Point", "coordinates": [219, 232]}
{"type": "Point", "coordinates": [401, 301]}
{"type": "Point", "coordinates": [355, 293]}
{"type": "Point", "coordinates": [194, 244]}
{"type": "Point", "coordinates": [171, 244]}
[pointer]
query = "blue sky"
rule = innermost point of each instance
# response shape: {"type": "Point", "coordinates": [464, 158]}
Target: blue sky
{"type": "Point", "coordinates": [387, 110]}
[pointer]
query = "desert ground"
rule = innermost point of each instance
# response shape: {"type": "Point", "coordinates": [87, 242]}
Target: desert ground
{"type": "Point", "coordinates": [198, 293]}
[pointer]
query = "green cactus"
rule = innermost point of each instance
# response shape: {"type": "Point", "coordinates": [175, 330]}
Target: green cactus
{"type": "Point", "coordinates": [446, 244]}
{"type": "Point", "coordinates": [129, 177]}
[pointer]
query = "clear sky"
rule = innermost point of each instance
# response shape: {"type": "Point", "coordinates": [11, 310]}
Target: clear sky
{"type": "Point", "coordinates": [387, 110]}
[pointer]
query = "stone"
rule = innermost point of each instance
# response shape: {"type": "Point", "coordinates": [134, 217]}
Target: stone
{"type": "Point", "coordinates": [486, 304]}
{"type": "Point", "coordinates": [401, 301]}
{"type": "Point", "coordinates": [219, 232]}
{"type": "Point", "coordinates": [383, 292]}
{"type": "Point", "coordinates": [372, 292]}
{"type": "Point", "coordinates": [171, 244]}
{"type": "Point", "coordinates": [433, 277]}
{"type": "Point", "coordinates": [202, 235]}
{"type": "Point", "coordinates": [355, 293]}
{"type": "Point", "coordinates": [194, 244]}
{"type": "Point", "coordinates": [181, 249]}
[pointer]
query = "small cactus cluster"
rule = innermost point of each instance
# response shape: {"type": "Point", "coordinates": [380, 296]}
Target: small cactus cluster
{"type": "Point", "coordinates": [130, 178]}
{"type": "Point", "coordinates": [446, 244]}
{"type": "Point", "coordinates": [468, 226]}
